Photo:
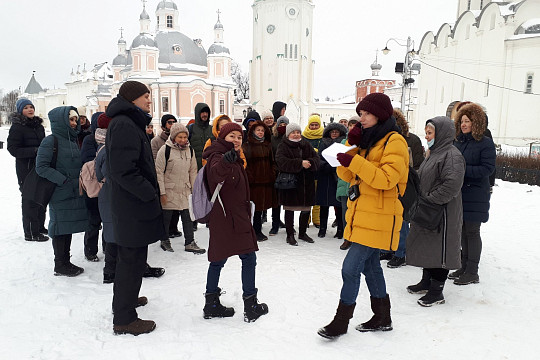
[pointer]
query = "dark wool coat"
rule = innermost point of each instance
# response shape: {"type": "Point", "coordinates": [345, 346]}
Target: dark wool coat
{"type": "Point", "coordinates": [89, 145]}
{"type": "Point", "coordinates": [327, 176]}
{"type": "Point", "coordinates": [441, 176]}
{"type": "Point", "coordinates": [261, 169]}
{"type": "Point", "coordinates": [23, 141]}
{"type": "Point", "coordinates": [200, 132]}
{"type": "Point", "coordinates": [231, 233]}
{"type": "Point", "coordinates": [289, 159]}
{"type": "Point", "coordinates": [67, 208]}
{"type": "Point", "coordinates": [83, 133]}
{"type": "Point", "coordinates": [104, 198]}
{"type": "Point", "coordinates": [415, 144]}
{"type": "Point", "coordinates": [135, 207]}
{"type": "Point", "coordinates": [276, 140]}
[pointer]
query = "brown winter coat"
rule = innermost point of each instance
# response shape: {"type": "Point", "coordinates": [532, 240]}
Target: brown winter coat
{"type": "Point", "coordinates": [261, 169]}
{"type": "Point", "coordinates": [289, 157]}
{"type": "Point", "coordinates": [157, 142]}
{"type": "Point", "coordinates": [179, 177]}
{"type": "Point", "coordinates": [231, 232]}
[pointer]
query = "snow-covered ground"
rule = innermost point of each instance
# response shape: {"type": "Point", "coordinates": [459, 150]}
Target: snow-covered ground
{"type": "Point", "coordinates": [48, 317]}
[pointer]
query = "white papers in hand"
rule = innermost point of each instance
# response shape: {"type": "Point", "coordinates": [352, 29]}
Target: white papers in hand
{"type": "Point", "coordinates": [330, 153]}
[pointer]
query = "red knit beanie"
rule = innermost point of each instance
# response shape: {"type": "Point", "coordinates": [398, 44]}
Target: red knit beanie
{"type": "Point", "coordinates": [378, 104]}
{"type": "Point", "coordinates": [103, 121]}
{"type": "Point", "coordinates": [227, 128]}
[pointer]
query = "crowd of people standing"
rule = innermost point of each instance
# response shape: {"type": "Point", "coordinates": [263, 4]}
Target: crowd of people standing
{"type": "Point", "coordinates": [267, 164]}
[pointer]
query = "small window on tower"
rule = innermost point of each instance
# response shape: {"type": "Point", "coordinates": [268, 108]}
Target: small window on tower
{"type": "Point", "coordinates": [528, 85]}
{"type": "Point", "coordinates": [222, 106]}
{"type": "Point", "coordinates": [169, 21]}
{"type": "Point", "coordinates": [165, 103]}
{"type": "Point", "coordinates": [158, 20]}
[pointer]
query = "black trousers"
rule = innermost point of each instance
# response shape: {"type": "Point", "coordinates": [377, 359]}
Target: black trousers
{"type": "Point", "coordinates": [111, 253]}
{"type": "Point", "coordinates": [324, 217]}
{"type": "Point", "coordinates": [187, 224]}
{"type": "Point", "coordinates": [91, 236]}
{"type": "Point", "coordinates": [33, 217]}
{"type": "Point", "coordinates": [471, 246]}
{"type": "Point", "coordinates": [175, 218]}
{"type": "Point", "coordinates": [130, 267]}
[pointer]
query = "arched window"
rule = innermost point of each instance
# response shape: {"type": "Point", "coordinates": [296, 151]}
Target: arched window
{"type": "Point", "coordinates": [169, 21]}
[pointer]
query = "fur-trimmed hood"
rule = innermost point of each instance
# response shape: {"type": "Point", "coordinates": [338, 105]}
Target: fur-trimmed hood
{"type": "Point", "coordinates": [478, 118]}
{"type": "Point", "coordinates": [334, 126]}
{"type": "Point", "coordinates": [17, 118]}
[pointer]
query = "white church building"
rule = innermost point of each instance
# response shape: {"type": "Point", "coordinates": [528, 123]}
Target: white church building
{"type": "Point", "coordinates": [490, 56]}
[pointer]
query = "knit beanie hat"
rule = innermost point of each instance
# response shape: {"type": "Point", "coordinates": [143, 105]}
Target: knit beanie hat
{"type": "Point", "coordinates": [132, 90]}
{"type": "Point", "coordinates": [314, 118]}
{"type": "Point", "coordinates": [176, 129]}
{"type": "Point", "coordinates": [267, 114]}
{"type": "Point", "coordinates": [290, 128]}
{"type": "Point", "coordinates": [281, 120]}
{"type": "Point", "coordinates": [378, 104]}
{"type": "Point", "coordinates": [21, 103]}
{"type": "Point", "coordinates": [166, 117]}
{"type": "Point", "coordinates": [227, 128]}
{"type": "Point", "coordinates": [100, 135]}
{"type": "Point", "coordinates": [82, 111]}
{"type": "Point", "coordinates": [103, 121]}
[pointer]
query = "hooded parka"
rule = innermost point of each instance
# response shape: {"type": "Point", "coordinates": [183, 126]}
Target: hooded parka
{"type": "Point", "coordinates": [441, 176]}
{"type": "Point", "coordinates": [375, 217]}
{"type": "Point", "coordinates": [67, 209]}
{"type": "Point", "coordinates": [231, 232]}
{"type": "Point", "coordinates": [134, 194]}
{"type": "Point", "coordinates": [327, 176]}
{"type": "Point", "coordinates": [261, 168]}
{"type": "Point", "coordinates": [200, 132]}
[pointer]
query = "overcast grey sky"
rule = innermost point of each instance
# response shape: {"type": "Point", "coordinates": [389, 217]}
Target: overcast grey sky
{"type": "Point", "coordinates": [54, 36]}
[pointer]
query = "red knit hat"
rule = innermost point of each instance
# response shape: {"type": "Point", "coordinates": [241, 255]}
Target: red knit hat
{"type": "Point", "coordinates": [378, 104]}
{"type": "Point", "coordinates": [227, 128]}
{"type": "Point", "coordinates": [103, 121]}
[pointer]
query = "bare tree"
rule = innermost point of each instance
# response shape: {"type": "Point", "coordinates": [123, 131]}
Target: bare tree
{"type": "Point", "coordinates": [9, 100]}
{"type": "Point", "coordinates": [241, 80]}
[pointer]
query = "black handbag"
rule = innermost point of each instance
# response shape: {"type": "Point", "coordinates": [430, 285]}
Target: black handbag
{"type": "Point", "coordinates": [428, 215]}
{"type": "Point", "coordinates": [286, 181]}
{"type": "Point", "coordinates": [37, 188]}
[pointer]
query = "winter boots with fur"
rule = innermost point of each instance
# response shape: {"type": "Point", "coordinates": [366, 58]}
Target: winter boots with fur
{"type": "Point", "coordinates": [213, 307]}
{"type": "Point", "coordinates": [381, 320]}
{"type": "Point", "coordinates": [252, 309]}
{"type": "Point", "coordinates": [339, 325]}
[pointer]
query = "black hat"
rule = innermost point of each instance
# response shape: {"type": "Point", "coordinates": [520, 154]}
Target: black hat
{"type": "Point", "coordinates": [132, 90]}
{"type": "Point", "coordinates": [166, 117]}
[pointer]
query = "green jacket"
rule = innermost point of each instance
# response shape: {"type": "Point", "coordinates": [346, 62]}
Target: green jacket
{"type": "Point", "coordinates": [342, 186]}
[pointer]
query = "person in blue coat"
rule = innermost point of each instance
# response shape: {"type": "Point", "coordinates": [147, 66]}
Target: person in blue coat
{"type": "Point", "coordinates": [68, 213]}
{"type": "Point", "coordinates": [479, 153]}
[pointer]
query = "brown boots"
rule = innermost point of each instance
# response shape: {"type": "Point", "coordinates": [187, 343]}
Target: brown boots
{"type": "Point", "coordinates": [339, 325]}
{"type": "Point", "coordinates": [137, 327]}
{"type": "Point", "coordinates": [381, 320]}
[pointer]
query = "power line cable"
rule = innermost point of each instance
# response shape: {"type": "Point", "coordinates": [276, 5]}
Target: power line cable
{"type": "Point", "coordinates": [476, 80]}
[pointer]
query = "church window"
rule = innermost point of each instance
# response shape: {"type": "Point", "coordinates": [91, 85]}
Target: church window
{"type": "Point", "coordinates": [169, 21]}
{"type": "Point", "coordinates": [165, 103]}
{"type": "Point", "coordinates": [296, 51]}
{"type": "Point", "coordinates": [222, 106]}
{"type": "Point", "coordinates": [529, 83]}
{"type": "Point", "coordinates": [286, 50]}
{"type": "Point", "coordinates": [158, 20]}
{"type": "Point", "coordinates": [290, 52]}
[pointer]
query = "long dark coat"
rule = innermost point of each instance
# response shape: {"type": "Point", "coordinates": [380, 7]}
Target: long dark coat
{"type": "Point", "coordinates": [23, 141]}
{"type": "Point", "coordinates": [441, 175]}
{"type": "Point", "coordinates": [200, 132]}
{"type": "Point", "coordinates": [135, 207]}
{"type": "Point", "coordinates": [89, 145]}
{"type": "Point", "coordinates": [480, 159]}
{"type": "Point", "coordinates": [261, 169]}
{"type": "Point", "coordinates": [327, 176]}
{"type": "Point", "coordinates": [67, 208]}
{"type": "Point", "coordinates": [415, 144]}
{"type": "Point", "coordinates": [104, 198]}
{"type": "Point", "coordinates": [231, 233]}
{"type": "Point", "coordinates": [289, 157]}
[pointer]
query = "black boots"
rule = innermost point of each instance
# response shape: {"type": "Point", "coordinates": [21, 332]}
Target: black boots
{"type": "Point", "coordinates": [423, 286]}
{"type": "Point", "coordinates": [434, 295]}
{"type": "Point", "coordinates": [339, 325]}
{"type": "Point", "coordinates": [381, 320]}
{"type": "Point", "coordinates": [252, 309]}
{"type": "Point", "coordinates": [303, 224]}
{"type": "Point", "coordinates": [62, 265]}
{"type": "Point", "coordinates": [213, 307]}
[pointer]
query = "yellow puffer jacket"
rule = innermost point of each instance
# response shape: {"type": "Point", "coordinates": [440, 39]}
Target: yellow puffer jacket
{"type": "Point", "coordinates": [374, 219]}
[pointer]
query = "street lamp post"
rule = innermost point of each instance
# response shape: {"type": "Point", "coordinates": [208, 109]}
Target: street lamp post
{"type": "Point", "coordinates": [406, 66]}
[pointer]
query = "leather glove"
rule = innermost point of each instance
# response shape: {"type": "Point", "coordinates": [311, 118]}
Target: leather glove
{"type": "Point", "coordinates": [344, 159]}
{"type": "Point", "coordinates": [355, 135]}
{"type": "Point", "coordinates": [231, 156]}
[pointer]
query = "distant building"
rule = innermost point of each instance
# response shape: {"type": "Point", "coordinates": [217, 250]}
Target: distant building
{"type": "Point", "coordinates": [374, 84]}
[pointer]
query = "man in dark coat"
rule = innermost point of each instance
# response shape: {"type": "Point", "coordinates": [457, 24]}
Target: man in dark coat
{"type": "Point", "coordinates": [135, 207]}
{"type": "Point", "coordinates": [278, 109]}
{"type": "Point", "coordinates": [24, 137]}
{"type": "Point", "coordinates": [200, 131]}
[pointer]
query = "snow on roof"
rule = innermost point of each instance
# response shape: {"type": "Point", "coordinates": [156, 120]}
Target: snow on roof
{"type": "Point", "coordinates": [531, 22]}
{"type": "Point", "coordinates": [182, 66]}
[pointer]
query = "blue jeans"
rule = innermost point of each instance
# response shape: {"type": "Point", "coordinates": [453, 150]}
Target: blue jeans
{"type": "Point", "coordinates": [362, 259]}
{"type": "Point", "coordinates": [249, 261]}
{"type": "Point", "coordinates": [403, 233]}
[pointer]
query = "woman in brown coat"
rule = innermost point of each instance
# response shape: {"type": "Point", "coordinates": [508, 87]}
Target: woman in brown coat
{"type": "Point", "coordinates": [231, 232]}
{"type": "Point", "coordinates": [261, 172]}
{"type": "Point", "coordinates": [296, 156]}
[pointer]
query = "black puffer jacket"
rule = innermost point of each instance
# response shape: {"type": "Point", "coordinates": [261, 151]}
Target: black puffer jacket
{"type": "Point", "coordinates": [200, 132]}
{"type": "Point", "coordinates": [23, 140]}
{"type": "Point", "coordinates": [134, 194]}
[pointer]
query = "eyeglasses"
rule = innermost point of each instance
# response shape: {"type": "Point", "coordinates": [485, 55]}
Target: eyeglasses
{"type": "Point", "coordinates": [170, 122]}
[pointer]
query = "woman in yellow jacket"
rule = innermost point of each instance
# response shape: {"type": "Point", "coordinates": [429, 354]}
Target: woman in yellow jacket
{"type": "Point", "coordinates": [376, 170]}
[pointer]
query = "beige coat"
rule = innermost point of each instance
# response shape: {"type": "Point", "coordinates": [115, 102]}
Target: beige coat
{"type": "Point", "coordinates": [177, 182]}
